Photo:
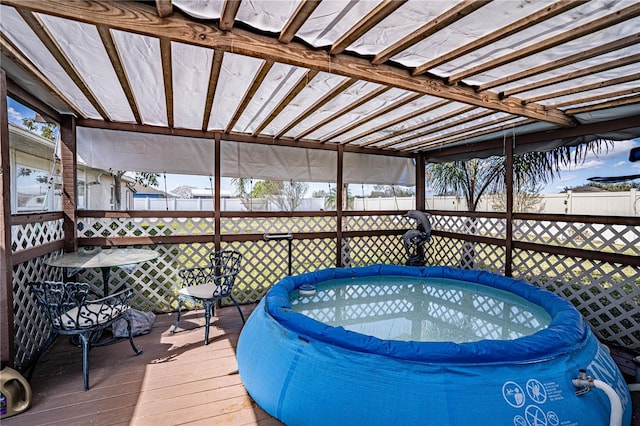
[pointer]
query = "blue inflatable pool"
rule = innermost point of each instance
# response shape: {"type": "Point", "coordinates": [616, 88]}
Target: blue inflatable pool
{"type": "Point", "coordinates": [305, 372]}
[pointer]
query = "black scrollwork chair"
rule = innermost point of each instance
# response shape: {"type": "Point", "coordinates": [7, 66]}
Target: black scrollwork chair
{"type": "Point", "coordinates": [207, 285]}
{"type": "Point", "coordinates": [71, 312]}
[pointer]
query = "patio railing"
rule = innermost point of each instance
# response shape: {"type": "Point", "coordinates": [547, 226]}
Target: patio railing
{"type": "Point", "coordinates": [591, 261]}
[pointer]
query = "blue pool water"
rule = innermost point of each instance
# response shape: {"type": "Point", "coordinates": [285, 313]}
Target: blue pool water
{"type": "Point", "coordinates": [436, 346]}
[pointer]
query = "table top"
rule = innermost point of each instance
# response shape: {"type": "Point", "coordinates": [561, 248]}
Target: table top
{"type": "Point", "coordinates": [98, 258]}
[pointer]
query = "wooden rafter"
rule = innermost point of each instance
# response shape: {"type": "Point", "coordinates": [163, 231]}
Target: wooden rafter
{"type": "Point", "coordinates": [572, 34]}
{"type": "Point", "coordinates": [431, 130]}
{"type": "Point", "coordinates": [419, 145]}
{"type": "Point", "coordinates": [332, 94]}
{"type": "Point", "coordinates": [609, 104]}
{"type": "Point", "coordinates": [167, 74]}
{"type": "Point", "coordinates": [299, 17]}
{"type": "Point", "coordinates": [370, 20]}
{"type": "Point", "coordinates": [616, 63]}
{"type": "Point", "coordinates": [378, 113]}
{"type": "Point", "coordinates": [164, 8]}
{"type": "Point", "coordinates": [45, 37]}
{"type": "Point", "coordinates": [468, 135]}
{"type": "Point", "coordinates": [561, 62]}
{"type": "Point", "coordinates": [597, 97]}
{"type": "Point", "coordinates": [450, 16]}
{"type": "Point", "coordinates": [421, 125]}
{"type": "Point", "coordinates": [398, 120]}
{"type": "Point", "coordinates": [585, 87]}
{"type": "Point", "coordinates": [295, 90]}
{"type": "Point", "coordinates": [116, 62]}
{"type": "Point", "coordinates": [12, 52]}
{"type": "Point", "coordinates": [137, 18]}
{"type": "Point", "coordinates": [480, 42]}
{"type": "Point", "coordinates": [214, 75]}
{"type": "Point", "coordinates": [363, 100]}
{"type": "Point", "coordinates": [228, 14]}
{"type": "Point", "coordinates": [251, 91]}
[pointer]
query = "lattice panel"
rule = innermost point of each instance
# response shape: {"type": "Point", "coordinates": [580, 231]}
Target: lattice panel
{"type": "Point", "coordinates": [264, 263]}
{"type": "Point", "coordinates": [361, 251]}
{"type": "Point", "coordinates": [35, 234]}
{"type": "Point", "coordinates": [465, 254]}
{"type": "Point", "coordinates": [31, 327]}
{"type": "Point", "coordinates": [386, 222]}
{"type": "Point", "coordinates": [607, 295]}
{"type": "Point", "coordinates": [278, 225]}
{"type": "Point", "coordinates": [590, 236]}
{"type": "Point", "coordinates": [488, 227]}
{"type": "Point", "coordinates": [137, 227]}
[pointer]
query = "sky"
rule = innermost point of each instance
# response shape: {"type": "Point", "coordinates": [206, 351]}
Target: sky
{"type": "Point", "coordinates": [615, 162]}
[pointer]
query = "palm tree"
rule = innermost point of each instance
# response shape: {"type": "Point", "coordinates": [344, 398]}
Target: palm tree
{"type": "Point", "coordinates": [474, 178]}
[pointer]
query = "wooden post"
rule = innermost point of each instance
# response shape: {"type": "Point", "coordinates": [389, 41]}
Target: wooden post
{"type": "Point", "coordinates": [508, 248]}
{"type": "Point", "coordinates": [69, 181]}
{"type": "Point", "coordinates": [339, 201]}
{"type": "Point", "coordinates": [420, 183]}
{"type": "Point", "coordinates": [7, 332]}
{"type": "Point", "coordinates": [217, 220]}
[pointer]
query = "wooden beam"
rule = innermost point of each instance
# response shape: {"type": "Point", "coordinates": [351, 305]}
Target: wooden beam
{"type": "Point", "coordinates": [167, 75]}
{"type": "Point", "coordinates": [605, 66]}
{"type": "Point", "coordinates": [382, 111]}
{"type": "Point", "coordinates": [562, 62]}
{"type": "Point", "coordinates": [332, 94]}
{"type": "Point", "coordinates": [7, 332]}
{"type": "Point", "coordinates": [528, 21]}
{"type": "Point", "coordinates": [363, 100]}
{"type": "Point", "coordinates": [572, 34]}
{"type": "Point", "coordinates": [447, 18]}
{"type": "Point", "coordinates": [231, 137]}
{"type": "Point", "coordinates": [27, 98]}
{"type": "Point", "coordinates": [395, 121]}
{"type": "Point", "coordinates": [466, 130]}
{"type": "Point", "coordinates": [214, 75]}
{"type": "Point", "coordinates": [228, 14]}
{"type": "Point", "coordinates": [604, 105]}
{"type": "Point", "coordinates": [295, 90]}
{"type": "Point", "coordinates": [303, 11]}
{"type": "Point", "coordinates": [139, 18]}
{"type": "Point", "coordinates": [164, 8]}
{"type": "Point", "coordinates": [585, 87]}
{"type": "Point", "coordinates": [251, 91]}
{"type": "Point", "coordinates": [116, 62]}
{"type": "Point", "coordinates": [420, 183]}
{"type": "Point", "coordinates": [370, 20]}
{"type": "Point", "coordinates": [436, 129]}
{"type": "Point", "coordinates": [45, 37]}
{"type": "Point", "coordinates": [430, 122]}
{"type": "Point", "coordinates": [14, 54]}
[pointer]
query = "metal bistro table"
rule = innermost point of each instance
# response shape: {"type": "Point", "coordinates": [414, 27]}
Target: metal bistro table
{"type": "Point", "coordinates": [103, 259]}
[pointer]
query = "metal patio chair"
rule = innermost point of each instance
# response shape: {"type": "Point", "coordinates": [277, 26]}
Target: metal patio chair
{"type": "Point", "coordinates": [206, 285]}
{"type": "Point", "coordinates": [71, 312]}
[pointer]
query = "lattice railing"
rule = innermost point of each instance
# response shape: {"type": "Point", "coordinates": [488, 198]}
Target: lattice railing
{"type": "Point", "coordinates": [377, 222]}
{"type": "Point", "coordinates": [275, 225]}
{"type": "Point", "coordinates": [465, 254]}
{"type": "Point", "coordinates": [480, 226]}
{"type": "Point", "coordinates": [607, 295]}
{"type": "Point", "coordinates": [623, 239]}
{"type": "Point", "coordinates": [136, 227]}
{"type": "Point", "coordinates": [29, 235]}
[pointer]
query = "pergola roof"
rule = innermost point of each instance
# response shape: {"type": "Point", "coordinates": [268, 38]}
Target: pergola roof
{"type": "Point", "coordinates": [400, 76]}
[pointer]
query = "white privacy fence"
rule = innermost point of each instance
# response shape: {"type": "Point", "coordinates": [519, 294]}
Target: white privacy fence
{"type": "Point", "coordinates": [625, 203]}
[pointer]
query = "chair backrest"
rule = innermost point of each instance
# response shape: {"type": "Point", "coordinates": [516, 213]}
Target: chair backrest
{"type": "Point", "coordinates": [226, 266]}
{"type": "Point", "coordinates": [68, 307]}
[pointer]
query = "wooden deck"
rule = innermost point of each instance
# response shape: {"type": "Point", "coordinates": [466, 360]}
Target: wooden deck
{"type": "Point", "coordinates": [177, 380]}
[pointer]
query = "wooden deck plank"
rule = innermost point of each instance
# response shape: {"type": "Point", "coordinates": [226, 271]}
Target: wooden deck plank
{"type": "Point", "coordinates": [176, 380]}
